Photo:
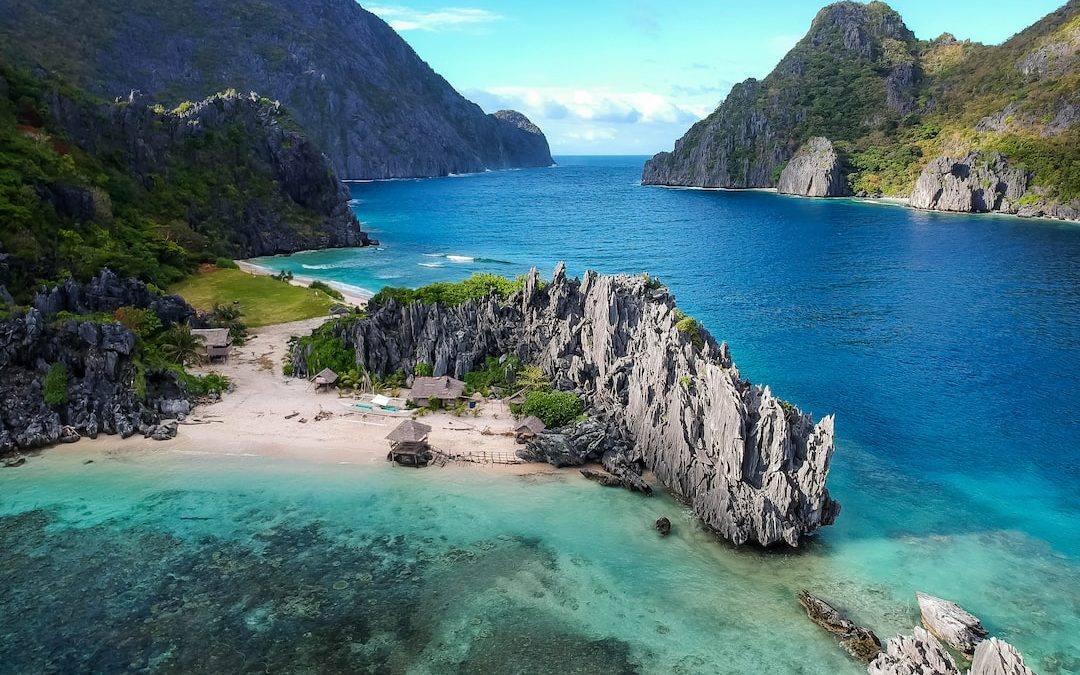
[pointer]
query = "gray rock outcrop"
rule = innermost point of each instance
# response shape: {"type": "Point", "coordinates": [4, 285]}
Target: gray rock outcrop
{"type": "Point", "coordinates": [100, 362]}
{"type": "Point", "coordinates": [860, 642]}
{"type": "Point", "coordinates": [995, 657]}
{"type": "Point", "coordinates": [814, 171]}
{"type": "Point", "coordinates": [358, 91]}
{"type": "Point", "coordinates": [977, 183]}
{"type": "Point", "coordinates": [950, 623]}
{"type": "Point", "coordinates": [916, 654]}
{"type": "Point", "coordinates": [752, 466]}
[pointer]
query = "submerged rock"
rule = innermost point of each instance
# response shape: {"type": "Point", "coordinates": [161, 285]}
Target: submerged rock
{"type": "Point", "coordinates": [752, 466]}
{"type": "Point", "coordinates": [949, 622]}
{"type": "Point", "coordinates": [977, 183]}
{"type": "Point", "coordinates": [994, 657]}
{"type": "Point", "coordinates": [663, 526]}
{"type": "Point", "coordinates": [814, 171]}
{"type": "Point", "coordinates": [916, 654]}
{"type": "Point", "coordinates": [858, 641]}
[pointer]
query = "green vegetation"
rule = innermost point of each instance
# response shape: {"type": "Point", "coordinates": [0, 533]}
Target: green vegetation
{"type": "Point", "coordinates": [179, 345]}
{"type": "Point", "coordinates": [451, 294]}
{"type": "Point", "coordinates": [690, 327]}
{"type": "Point", "coordinates": [493, 374]}
{"type": "Point", "coordinates": [325, 348]}
{"type": "Point", "coordinates": [262, 300]}
{"type": "Point", "coordinates": [422, 369]}
{"type": "Point", "coordinates": [204, 385]}
{"type": "Point", "coordinates": [554, 408]}
{"type": "Point", "coordinates": [326, 288]}
{"type": "Point", "coordinates": [55, 386]}
{"type": "Point", "coordinates": [66, 211]}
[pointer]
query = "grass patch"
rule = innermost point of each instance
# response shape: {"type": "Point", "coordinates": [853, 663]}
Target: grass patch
{"type": "Point", "coordinates": [263, 301]}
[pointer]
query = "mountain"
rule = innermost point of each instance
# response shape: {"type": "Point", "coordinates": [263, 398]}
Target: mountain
{"type": "Point", "coordinates": [150, 193]}
{"type": "Point", "coordinates": [359, 92]}
{"type": "Point", "coordinates": [907, 117]}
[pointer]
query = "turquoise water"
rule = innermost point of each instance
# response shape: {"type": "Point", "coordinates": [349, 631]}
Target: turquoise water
{"type": "Point", "coordinates": [948, 347]}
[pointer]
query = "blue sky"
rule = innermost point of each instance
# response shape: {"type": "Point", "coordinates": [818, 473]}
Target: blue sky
{"type": "Point", "coordinates": [630, 76]}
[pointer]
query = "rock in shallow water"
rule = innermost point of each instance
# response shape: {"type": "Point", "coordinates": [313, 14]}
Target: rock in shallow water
{"type": "Point", "coordinates": [663, 526]}
{"type": "Point", "coordinates": [858, 641]}
{"type": "Point", "coordinates": [950, 623]}
{"type": "Point", "coordinates": [994, 657]}
{"type": "Point", "coordinates": [916, 654]}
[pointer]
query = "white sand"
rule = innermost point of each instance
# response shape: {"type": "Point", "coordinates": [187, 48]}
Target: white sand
{"type": "Point", "coordinates": [251, 420]}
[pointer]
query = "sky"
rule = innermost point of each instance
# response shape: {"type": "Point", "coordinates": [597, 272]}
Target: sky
{"type": "Point", "coordinates": [628, 77]}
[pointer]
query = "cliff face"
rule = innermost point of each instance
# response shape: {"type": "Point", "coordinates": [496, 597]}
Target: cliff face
{"type": "Point", "coordinates": [752, 466]}
{"type": "Point", "coordinates": [100, 395]}
{"type": "Point", "coordinates": [814, 171]}
{"type": "Point", "coordinates": [975, 184]}
{"type": "Point", "coordinates": [895, 106]}
{"type": "Point", "coordinates": [356, 88]}
{"type": "Point", "coordinates": [150, 192]}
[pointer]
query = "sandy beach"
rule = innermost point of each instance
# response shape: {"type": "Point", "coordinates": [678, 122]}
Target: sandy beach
{"type": "Point", "coordinates": [268, 414]}
{"type": "Point", "coordinates": [351, 298]}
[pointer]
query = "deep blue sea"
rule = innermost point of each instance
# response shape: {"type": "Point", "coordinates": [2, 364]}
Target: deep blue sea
{"type": "Point", "coordinates": [948, 347]}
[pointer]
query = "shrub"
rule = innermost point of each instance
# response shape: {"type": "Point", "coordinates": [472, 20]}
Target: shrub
{"type": "Point", "coordinates": [493, 374]}
{"type": "Point", "coordinates": [226, 264]}
{"type": "Point", "coordinates": [449, 293]}
{"type": "Point", "coordinates": [56, 385]}
{"type": "Point", "coordinates": [211, 383]}
{"type": "Point", "coordinates": [554, 408]}
{"type": "Point", "coordinates": [326, 288]}
{"type": "Point", "coordinates": [143, 322]}
{"type": "Point", "coordinates": [690, 327]}
{"type": "Point", "coordinates": [422, 370]}
{"type": "Point", "coordinates": [433, 403]}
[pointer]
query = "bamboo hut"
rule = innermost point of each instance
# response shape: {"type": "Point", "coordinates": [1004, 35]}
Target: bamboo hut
{"type": "Point", "coordinates": [214, 343]}
{"type": "Point", "coordinates": [530, 427]}
{"type": "Point", "coordinates": [409, 444]}
{"type": "Point", "coordinates": [446, 389]}
{"type": "Point", "coordinates": [325, 379]}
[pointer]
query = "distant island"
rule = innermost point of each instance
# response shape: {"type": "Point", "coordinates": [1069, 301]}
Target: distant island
{"type": "Point", "coordinates": [862, 107]}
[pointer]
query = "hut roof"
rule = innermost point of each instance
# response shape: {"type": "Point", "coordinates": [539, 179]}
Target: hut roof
{"type": "Point", "coordinates": [531, 424]}
{"type": "Point", "coordinates": [326, 375]}
{"type": "Point", "coordinates": [409, 431]}
{"type": "Point", "coordinates": [212, 337]}
{"type": "Point", "coordinates": [440, 387]}
{"type": "Point", "coordinates": [518, 398]}
{"type": "Point", "coordinates": [478, 397]}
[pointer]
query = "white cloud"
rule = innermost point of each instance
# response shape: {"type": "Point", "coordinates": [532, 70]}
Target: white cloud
{"type": "Point", "coordinates": [591, 134]}
{"type": "Point", "coordinates": [450, 18]}
{"type": "Point", "coordinates": [593, 105]}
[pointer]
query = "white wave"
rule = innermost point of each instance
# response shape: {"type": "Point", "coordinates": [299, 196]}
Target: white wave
{"type": "Point", "coordinates": [320, 267]}
{"type": "Point", "coordinates": [354, 202]}
{"type": "Point", "coordinates": [460, 258]}
{"type": "Point", "coordinates": [433, 255]}
{"type": "Point", "coordinates": [351, 290]}
{"type": "Point", "coordinates": [430, 264]}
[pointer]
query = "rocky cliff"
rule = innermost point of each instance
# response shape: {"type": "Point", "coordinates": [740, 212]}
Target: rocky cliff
{"type": "Point", "coordinates": [149, 192]}
{"type": "Point", "coordinates": [356, 88]}
{"type": "Point", "coordinates": [895, 108]}
{"type": "Point", "coordinates": [814, 171]}
{"type": "Point", "coordinates": [752, 466]}
{"type": "Point", "coordinates": [102, 388]}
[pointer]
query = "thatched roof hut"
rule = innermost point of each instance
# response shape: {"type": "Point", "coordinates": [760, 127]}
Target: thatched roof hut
{"type": "Point", "coordinates": [529, 427]}
{"type": "Point", "coordinates": [444, 388]}
{"type": "Point", "coordinates": [409, 444]}
{"type": "Point", "coordinates": [215, 342]}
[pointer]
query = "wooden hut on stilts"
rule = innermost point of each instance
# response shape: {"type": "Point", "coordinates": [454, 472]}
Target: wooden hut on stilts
{"type": "Point", "coordinates": [409, 444]}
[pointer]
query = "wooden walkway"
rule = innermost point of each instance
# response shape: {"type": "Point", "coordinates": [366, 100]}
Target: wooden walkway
{"type": "Point", "coordinates": [440, 458]}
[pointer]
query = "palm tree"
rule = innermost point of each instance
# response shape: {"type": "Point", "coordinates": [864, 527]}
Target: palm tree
{"type": "Point", "coordinates": [180, 345]}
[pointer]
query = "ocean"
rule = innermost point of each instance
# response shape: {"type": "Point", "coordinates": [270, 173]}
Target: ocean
{"type": "Point", "coordinates": [948, 346]}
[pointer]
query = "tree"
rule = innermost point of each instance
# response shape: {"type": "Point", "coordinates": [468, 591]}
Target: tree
{"type": "Point", "coordinates": [180, 345]}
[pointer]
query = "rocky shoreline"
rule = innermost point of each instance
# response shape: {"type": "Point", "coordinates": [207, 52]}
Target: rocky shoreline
{"type": "Point", "coordinates": [751, 466]}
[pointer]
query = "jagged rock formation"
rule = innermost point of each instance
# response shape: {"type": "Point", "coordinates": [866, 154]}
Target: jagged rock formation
{"type": "Point", "coordinates": [814, 171]}
{"type": "Point", "coordinates": [949, 622]}
{"type": "Point", "coordinates": [894, 105]}
{"type": "Point", "coordinates": [101, 396]}
{"type": "Point", "coordinates": [917, 654]}
{"type": "Point", "coordinates": [751, 466]}
{"type": "Point", "coordinates": [858, 641]}
{"type": "Point", "coordinates": [977, 183]}
{"type": "Point", "coordinates": [995, 657]}
{"type": "Point", "coordinates": [359, 92]}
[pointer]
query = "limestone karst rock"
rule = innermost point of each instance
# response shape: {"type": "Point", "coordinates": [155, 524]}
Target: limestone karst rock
{"type": "Point", "coordinates": [950, 623]}
{"type": "Point", "coordinates": [976, 183]}
{"type": "Point", "coordinates": [752, 466]}
{"type": "Point", "coordinates": [858, 641]}
{"type": "Point", "coordinates": [916, 654]}
{"type": "Point", "coordinates": [995, 657]}
{"type": "Point", "coordinates": [814, 171]}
